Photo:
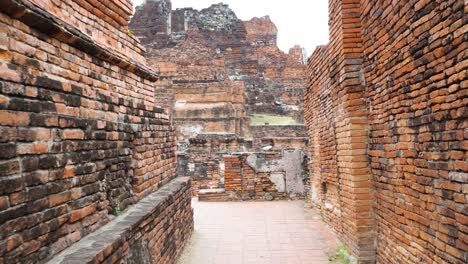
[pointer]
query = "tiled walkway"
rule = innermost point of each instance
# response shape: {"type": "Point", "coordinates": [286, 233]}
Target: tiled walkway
{"type": "Point", "coordinates": [257, 232]}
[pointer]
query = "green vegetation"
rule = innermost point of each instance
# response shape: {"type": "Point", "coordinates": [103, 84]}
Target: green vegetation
{"type": "Point", "coordinates": [130, 32]}
{"type": "Point", "coordinates": [341, 255]}
{"type": "Point", "coordinates": [258, 120]}
{"type": "Point", "coordinates": [117, 212]}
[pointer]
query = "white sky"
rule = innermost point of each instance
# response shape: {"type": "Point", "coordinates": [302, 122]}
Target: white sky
{"type": "Point", "coordinates": [303, 22]}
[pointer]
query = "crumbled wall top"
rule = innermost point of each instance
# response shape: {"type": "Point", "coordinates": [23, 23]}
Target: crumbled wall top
{"type": "Point", "coordinates": [218, 17]}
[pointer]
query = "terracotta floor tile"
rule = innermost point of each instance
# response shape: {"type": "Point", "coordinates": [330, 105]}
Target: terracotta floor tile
{"type": "Point", "coordinates": [257, 232]}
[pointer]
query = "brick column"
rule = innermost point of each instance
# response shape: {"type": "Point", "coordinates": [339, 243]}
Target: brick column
{"type": "Point", "coordinates": [232, 173]}
{"type": "Point", "coordinates": [351, 128]}
{"type": "Point", "coordinates": [337, 119]}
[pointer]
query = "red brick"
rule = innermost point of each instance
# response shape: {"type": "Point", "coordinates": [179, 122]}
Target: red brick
{"type": "Point", "coordinates": [73, 134]}
{"type": "Point", "coordinates": [14, 119]}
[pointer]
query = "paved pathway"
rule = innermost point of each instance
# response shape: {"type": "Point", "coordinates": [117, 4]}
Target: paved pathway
{"type": "Point", "coordinates": [257, 232]}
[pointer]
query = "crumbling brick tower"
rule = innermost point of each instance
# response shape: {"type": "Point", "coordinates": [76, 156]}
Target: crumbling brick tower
{"type": "Point", "coordinates": [82, 138]}
{"type": "Point", "coordinates": [387, 115]}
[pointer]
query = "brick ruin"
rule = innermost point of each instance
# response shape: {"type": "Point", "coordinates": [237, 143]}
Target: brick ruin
{"type": "Point", "coordinates": [104, 123]}
{"type": "Point", "coordinates": [386, 109]}
{"type": "Point", "coordinates": [84, 139]}
{"type": "Point", "coordinates": [260, 176]}
{"type": "Point", "coordinates": [223, 73]}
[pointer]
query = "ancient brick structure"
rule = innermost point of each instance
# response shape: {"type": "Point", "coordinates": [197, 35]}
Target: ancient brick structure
{"type": "Point", "coordinates": [203, 159]}
{"type": "Point", "coordinates": [205, 100]}
{"type": "Point", "coordinates": [221, 72]}
{"type": "Point", "coordinates": [261, 175]}
{"type": "Point", "coordinates": [211, 52]}
{"type": "Point", "coordinates": [158, 237]}
{"type": "Point", "coordinates": [83, 137]}
{"type": "Point", "coordinates": [387, 118]}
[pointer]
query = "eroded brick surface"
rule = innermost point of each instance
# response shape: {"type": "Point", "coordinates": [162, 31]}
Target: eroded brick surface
{"type": "Point", "coordinates": [81, 133]}
{"type": "Point", "coordinates": [157, 237]}
{"type": "Point", "coordinates": [387, 118]}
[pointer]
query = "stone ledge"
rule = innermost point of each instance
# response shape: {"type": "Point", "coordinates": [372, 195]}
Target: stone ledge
{"type": "Point", "coordinates": [96, 247]}
{"type": "Point", "coordinates": [41, 20]}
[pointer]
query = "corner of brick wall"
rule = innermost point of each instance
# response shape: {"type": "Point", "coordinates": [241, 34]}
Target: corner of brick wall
{"type": "Point", "coordinates": [337, 118]}
{"type": "Point", "coordinates": [387, 124]}
{"type": "Point", "coordinates": [81, 133]}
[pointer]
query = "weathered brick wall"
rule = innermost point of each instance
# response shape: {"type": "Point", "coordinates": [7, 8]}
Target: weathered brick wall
{"type": "Point", "coordinates": [415, 68]}
{"type": "Point", "coordinates": [106, 22]}
{"type": "Point", "coordinates": [325, 183]}
{"type": "Point", "coordinates": [243, 182]}
{"type": "Point", "coordinates": [200, 95]}
{"type": "Point", "coordinates": [82, 135]}
{"type": "Point", "coordinates": [337, 121]}
{"type": "Point", "coordinates": [264, 175]}
{"type": "Point", "coordinates": [154, 231]}
{"type": "Point", "coordinates": [209, 106]}
{"type": "Point", "coordinates": [278, 131]}
{"type": "Point", "coordinates": [261, 31]}
{"type": "Point", "coordinates": [387, 119]}
{"type": "Point", "coordinates": [150, 28]}
{"type": "Point", "coordinates": [203, 158]}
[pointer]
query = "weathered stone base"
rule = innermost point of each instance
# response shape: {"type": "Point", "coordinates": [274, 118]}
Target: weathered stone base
{"type": "Point", "coordinates": [155, 230]}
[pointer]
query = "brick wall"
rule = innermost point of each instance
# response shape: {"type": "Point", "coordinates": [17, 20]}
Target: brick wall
{"type": "Point", "coordinates": [387, 119]}
{"type": "Point", "coordinates": [154, 231]}
{"type": "Point", "coordinates": [203, 158]}
{"type": "Point", "coordinates": [214, 106]}
{"type": "Point", "coordinates": [278, 131]}
{"type": "Point", "coordinates": [243, 181]}
{"type": "Point", "coordinates": [279, 137]}
{"type": "Point", "coordinates": [82, 134]}
{"type": "Point", "coordinates": [106, 22]}
{"type": "Point", "coordinates": [416, 72]}
{"type": "Point", "coordinates": [264, 175]}
{"type": "Point", "coordinates": [337, 121]}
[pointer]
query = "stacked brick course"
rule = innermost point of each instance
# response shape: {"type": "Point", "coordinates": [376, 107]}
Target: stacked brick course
{"type": "Point", "coordinates": [243, 181]}
{"type": "Point", "coordinates": [157, 237]}
{"type": "Point", "coordinates": [82, 134]}
{"type": "Point", "coordinates": [387, 117]}
{"type": "Point", "coordinates": [203, 159]}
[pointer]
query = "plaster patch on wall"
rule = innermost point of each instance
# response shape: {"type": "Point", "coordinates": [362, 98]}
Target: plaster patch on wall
{"type": "Point", "coordinates": [314, 194]}
{"type": "Point", "coordinates": [278, 179]}
{"type": "Point", "coordinates": [191, 167]}
{"type": "Point", "coordinates": [190, 131]}
{"type": "Point", "coordinates": [290, 164]}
